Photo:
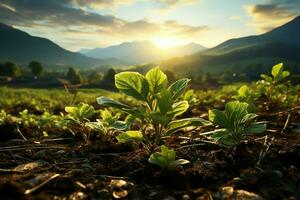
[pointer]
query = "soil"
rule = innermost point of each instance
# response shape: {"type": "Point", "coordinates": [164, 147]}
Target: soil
{"type": "Point", "coordinates": [64, 167]}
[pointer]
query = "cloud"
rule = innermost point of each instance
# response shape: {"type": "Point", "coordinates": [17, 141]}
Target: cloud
{"type": "Point", "coordinates": [61, 20]}
{"type": "Point", "coordinates": [273, 14]}
{"type": "Point", "coordinates": [98, 4]}
{"type": "Point", "coordinates": [168, 5]}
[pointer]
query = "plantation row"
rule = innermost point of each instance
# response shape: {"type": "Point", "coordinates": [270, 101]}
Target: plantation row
{"type": "Point", "coordinates": [153, 109]}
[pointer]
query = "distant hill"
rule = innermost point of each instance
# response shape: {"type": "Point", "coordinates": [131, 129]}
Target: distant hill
{"type": "Point", "coordinates": [20, 47]}
{"type": "Point", "coordinates": [282, 44]}
{"type": "Point", "coordinates": [141, 52]}
{"type": "Point", "coordinates": [287, 34]}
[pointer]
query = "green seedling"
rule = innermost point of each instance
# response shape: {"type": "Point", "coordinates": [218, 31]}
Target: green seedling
{"type": "Point", "coordinates": [27, 119]}
{"type": "Point", "coordinates": [166, 159]}
{"type": "Point", "coordinates": [80, 113]}
{"type": "Point", "coordinates": [234, 123]}
{"type": "Point", "coordinates": [248, 95]}
{"type": "Point", "coordinates": [108, 123]}
{"type": "Point", "coordinates": [190, 96]}
{"type": "Point", "coordinates": [4, 117]}
{"type": "Point", "coordinates": [274, 87]}
{"type": "Point", "coordinates": [159, 103]}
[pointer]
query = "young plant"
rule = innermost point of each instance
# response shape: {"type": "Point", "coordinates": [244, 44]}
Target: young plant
{"type": "Point", "coordinates": [274, 87]}
{"type": "Point", "coordinates": [4, 117]}
{"type": "Point", "coordinates": [190, 96]}
{"type": "Point", "coordinates": [248, 95]}
{"type": "Point", "coordinates": [81, 113]}
{"type": "Point", "coordinates": [234, 123]}
{"type": "Point", "coordinates": [159, 104]}
{"type": "Point", "coordinates": [107, 124]}
{"type": "Point", "coordinates": [166, 159]}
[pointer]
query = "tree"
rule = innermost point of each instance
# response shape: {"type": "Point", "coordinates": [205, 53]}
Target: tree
{"type": "Point", "coordinates": [74, 76]}
{"type": "Point", "coordinates": [36, 68]}
{"type": "Point", "coordinates": [10, 69]}
{"type": "Point", "coordinates": [95, 77]}
{"type": "Point", "coordinates": [108, 81]}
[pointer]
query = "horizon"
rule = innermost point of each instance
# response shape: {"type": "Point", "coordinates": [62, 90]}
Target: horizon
{"type": "Point", "coordinates": [76, 25]}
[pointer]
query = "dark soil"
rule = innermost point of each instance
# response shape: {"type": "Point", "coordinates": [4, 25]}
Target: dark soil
{"type": "Point", "coordinates": [63, 167]}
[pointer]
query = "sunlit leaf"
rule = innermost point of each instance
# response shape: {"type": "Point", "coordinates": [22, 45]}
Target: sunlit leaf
{"type": "Point", "coordinates": [157, 80]}
{"type": "Point", "coordinates": [132, 84]}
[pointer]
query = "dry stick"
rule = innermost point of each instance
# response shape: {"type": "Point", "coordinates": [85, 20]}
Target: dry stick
{"type": "Point", "coordinates": [286, 123]}
{"type": "Point", "coordinates": [41, 185]}
{"type": "Point", "coordinates": [21, 134]}
{"type": "Point", "coordinates": [112, 177]}
{"type": "Point", "coordinates": [18, 149]}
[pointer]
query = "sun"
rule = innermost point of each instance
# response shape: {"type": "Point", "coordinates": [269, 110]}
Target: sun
{"type": "Point", "coordinates": [164, 42]}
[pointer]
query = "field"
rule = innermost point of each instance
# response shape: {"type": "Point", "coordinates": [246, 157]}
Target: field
{"type": "Point", "coordinates": [153, 140]}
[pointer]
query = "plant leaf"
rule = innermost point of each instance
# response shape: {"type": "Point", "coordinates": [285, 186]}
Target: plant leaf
{"type": "Point", "coordinates": [179, 108]}
{"type": "Point", "coordinates": [111, 103]}
{"type": "Point", "coordinates": [255, 128]}
{"type": "Point", "coordinates": [130, 136]}
{"type": "Point", "coordinates": [276, 70]}
{"type": "Point", "coordinates": [164, 101]}
{"type": "Point", "coordinates": [177, 88]}
{"type": "Point", "coordinates": [176, 125]}
{"type": "Point", "coordinates": [157, 80]}
{"type": "Point", "coordinates": [132, 84]}
{"type": "Point", "coordinates": [218, 118]}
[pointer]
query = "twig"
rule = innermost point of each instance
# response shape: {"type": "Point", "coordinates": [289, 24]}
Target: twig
{"type": "Point", "coordinates": [21, 134]}
{"type": "Point", "coordinates": [29, 191]}
{"type": "Point", "coordinates": [286, 123]}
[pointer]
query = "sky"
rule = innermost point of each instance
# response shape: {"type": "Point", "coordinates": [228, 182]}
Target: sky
{"type": "Point", "coordinates": [77, 24]}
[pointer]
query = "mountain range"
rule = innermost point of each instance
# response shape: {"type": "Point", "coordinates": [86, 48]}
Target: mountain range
{"type": "Point", "coordinates": [138, 52]}
{"type": "Point", "coordinates": [246, 54]}
{"type": "Point", "coordinates": [20, 47]}
{"type": "Point", "coordinates": [242, 55]}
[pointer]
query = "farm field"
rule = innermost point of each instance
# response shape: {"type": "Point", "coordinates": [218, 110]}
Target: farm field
{"type": "Point", "coordinates": [152, 140]}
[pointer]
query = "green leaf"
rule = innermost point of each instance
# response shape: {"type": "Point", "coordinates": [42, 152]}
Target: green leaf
{"type": "Point", "coordinates": [86, 111]}
{"type": "Point", "coordinates": [256, 128]}
{"type": "Point", "coordinates": [176, 125]}
{"type": "Point", "coordinates": [74, 111]}
{"type": "Point", "coordinates": [236, 110]}
{"type": "Point", "coordinates": [178, 108]}
{"type": "Point", "coordinates": [219, 133]}
{"type": "Point", "coordinates": [285, 74]}
{"type": "Point", "coordinates": [276, 70]}
{"type": "Point", "coordinates": [218, 118]}
{"type": "Point", "coordinates": [177, 88]}
{"type": "Point", "coordinates": [111, 103]}
{"type": "Point", "coordinates": [132, 84]}
{"type": "Point", "coordinates": [97, 126]}
{"type": "Point", "coordinates": [164, 101]}
{"type": "Point", "coordinates": [157, 80]}
{"type": "Point", "coordinates": [119, 125]}
{"type": "Point", "coordinates": [248, 117]}
{"type": "Point", "coordinates": [166, 158]}
{"type": "Point", "coordinates": [130, 136]}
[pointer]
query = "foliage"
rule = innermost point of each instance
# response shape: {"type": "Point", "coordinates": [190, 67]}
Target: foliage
{"type": "Point", "coordinates": [159, 104]}
{"type": "Point", "coordinates": [166, 159]}
{"type": "Point", "coordinates": [81, 113]}
{"type": "Point", "coordinates": [4, 117]}
{"type": "Point", "coordinates": [248, 95]}
{"type": "Point", "coordinates": [10, 69]}
{"type": "Point", "coordinates": [234, 123]}
{"type": "Point", "coordinates": [108, 123]}
{"type": "Point", "coordinates": [74, 76]}
{"type": "Point", "coordinates": [274, 87]}
{"type": "Point", "coordinates": [36, 68]}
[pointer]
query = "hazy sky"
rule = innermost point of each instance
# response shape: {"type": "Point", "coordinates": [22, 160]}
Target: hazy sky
{"type": "Point", "coordinates": [76, 24]}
